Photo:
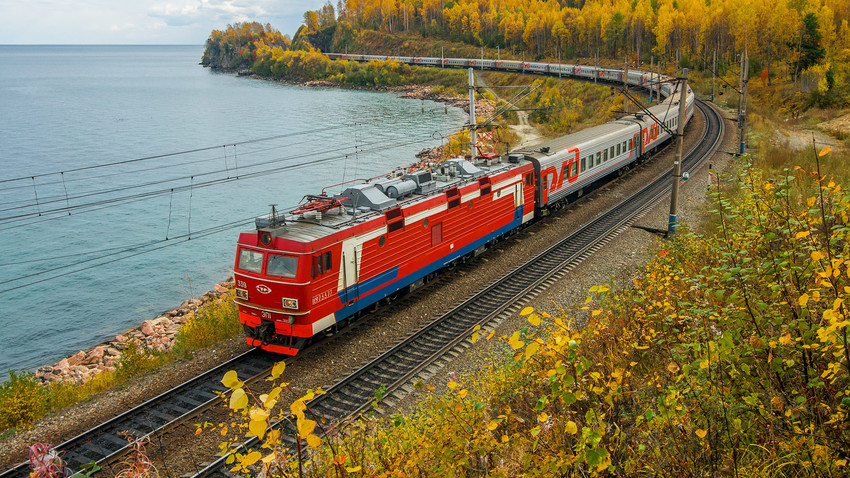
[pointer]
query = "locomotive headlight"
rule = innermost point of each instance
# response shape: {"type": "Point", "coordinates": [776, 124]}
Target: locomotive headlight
{"type": "Point", "coordinates": [242, 294]}
{"type": "Point", "coordinates": [265, 238]}
{"type": "Point", "coordinates": [291, 320]}
{"type": "Point", "coordinates": [290, 303]}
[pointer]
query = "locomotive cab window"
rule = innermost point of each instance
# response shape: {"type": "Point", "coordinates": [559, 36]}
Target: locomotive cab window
{"type": "Point", "coordinates": [322, 263]}
{"type": "Point", "coordinates": [282, 266]}
{"type": "Point", "coordinates": [529, 180]}
{"type": "Point", "coordinates": [251, 261]}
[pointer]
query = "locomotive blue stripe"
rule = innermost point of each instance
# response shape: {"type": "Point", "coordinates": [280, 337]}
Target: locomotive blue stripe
{"type": "Point", "coordinates": [379, 294]}
{"type": "Point", "coordinates": [369, 284]}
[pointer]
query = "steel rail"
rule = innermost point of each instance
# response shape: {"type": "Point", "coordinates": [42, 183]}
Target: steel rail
{"type": "Point", "coordinates": [395, 368]}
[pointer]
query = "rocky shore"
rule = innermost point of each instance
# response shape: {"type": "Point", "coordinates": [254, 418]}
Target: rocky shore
{"type": "Point", "coordinates": [158, 334]}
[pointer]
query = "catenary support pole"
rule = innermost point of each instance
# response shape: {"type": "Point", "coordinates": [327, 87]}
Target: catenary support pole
{"type": "Point", "coordinates": [713, 73]}
{"type": "Point", "coordinates": [472, 113]}
{"type": "Point", "coordinates": [677, 163]}
{"type": "Point", "coordinates": [746, 79]}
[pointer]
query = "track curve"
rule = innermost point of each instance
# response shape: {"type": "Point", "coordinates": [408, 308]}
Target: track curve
{"type": "Point", "coordinates": [398, 366]}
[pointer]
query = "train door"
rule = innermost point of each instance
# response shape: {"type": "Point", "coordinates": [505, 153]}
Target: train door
{"type": "Point", "coordinates": [349, 270]}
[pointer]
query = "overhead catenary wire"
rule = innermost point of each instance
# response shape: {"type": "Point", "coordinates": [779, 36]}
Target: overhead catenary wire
{"type": "Point", "coordinates": [380, 145]}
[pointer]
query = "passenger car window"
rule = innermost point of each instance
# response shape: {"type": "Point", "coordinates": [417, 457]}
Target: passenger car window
{"type": "Point", "coordinates": [251, 261]}
{"type": "Point", "coordinates": [282, 266]}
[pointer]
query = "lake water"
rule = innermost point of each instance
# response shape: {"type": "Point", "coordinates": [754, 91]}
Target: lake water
{"type": "Point", "coordinates": [91, 187]}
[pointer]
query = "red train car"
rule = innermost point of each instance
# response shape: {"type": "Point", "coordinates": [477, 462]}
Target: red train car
{"type": "Point", "coordinates": [332, 258]}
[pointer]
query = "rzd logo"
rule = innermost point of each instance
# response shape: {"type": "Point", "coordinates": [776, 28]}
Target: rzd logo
{"type": "Point", "coordinates": [263, 289]}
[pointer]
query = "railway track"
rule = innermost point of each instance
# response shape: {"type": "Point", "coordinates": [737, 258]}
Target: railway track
{"type": "Point", "coordinates": [447, 336]}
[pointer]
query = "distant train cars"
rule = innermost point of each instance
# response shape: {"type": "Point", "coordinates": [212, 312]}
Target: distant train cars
{"type": "Point", "coordinates": [335, 257]}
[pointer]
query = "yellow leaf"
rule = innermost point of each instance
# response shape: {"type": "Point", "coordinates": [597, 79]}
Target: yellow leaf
{"type": "Point", "coordinates": [505, 438]}
{"type": "Point", "coordinates": [297, 407]}
{"type": "Point", "coordinates": [493, 425]}
{"type": "Point", "coordinates": [271, 398]}
{"type": "Point", "coordinates": [201, 430]}
{"type": "Point", "coordinates": [231, 381]}
{"type": "Point", "coordinates": [786, 340]}
{"type": "Point", "coordinates": [515, 342]}
{"type": "Point", "coordinates": [811, 201]}
{"type": "Point", "coordinates": [452, 385]}
{"type": "Point", "coordinates": [463, 393]}
{"type": "Point", "coordinates": [817, 255]}
{"type": "Point", "coordinates": [527, 311]}
{"type": "Point", "coordinates": [535, 431]}
{"type": "Point", "coordinates": [824, 151]}
{"type": "Point", "coordinates": [314, 441]}
{"type": "Point", "coordinates": [701, 433]}
{"type": "Point", "coordinates": [703, 364]}
{"type": "Point", "coordinates": [803, 300]}
{"type": "Point", "coordinates": [474, 337]}
{"type": "Point", "coordinates": [268, 458]}
{"type": "Point", "coordinates": [596, 312]}
{"type": "Point", "coordinates": [306, 427]}
{"type": "Point", "coordinates": [257, 428]}
{"type": "Point", "coordinates": [251, 458]}
{"type": "Point", "coordinates": [238, 399]}
{"type": "Point", "coordinates": [673, 367]}
{"type": "Point", "coordinates": [353, 469]}
{"type": "Point", "coordinates": [571, 427]}
{"type": "Point", "coordinates": [801, 234]}
{"type": "Point", "coordinates": [491, 334]}
{"type": "Point", "coordinates": [542, 417]}
{"type": "Point", "coordinates": [278, 369]}
{"type": "Point", "coordinates": [532, 349]}
{"type": "Point", "coordinates": [534, 319]}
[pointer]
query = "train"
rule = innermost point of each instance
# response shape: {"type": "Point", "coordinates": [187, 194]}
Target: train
{"type": "Point", "coordinates": [309, 271]}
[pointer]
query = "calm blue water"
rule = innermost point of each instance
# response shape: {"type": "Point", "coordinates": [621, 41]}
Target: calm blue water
{"type": "Point", "coordinates": [64, 110]}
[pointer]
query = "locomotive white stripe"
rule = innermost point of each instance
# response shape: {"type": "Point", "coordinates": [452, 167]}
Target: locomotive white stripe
{"type": "Point", "coordinates": [470, 196]}
{"type": "Point", "coordinates": [423, 214]}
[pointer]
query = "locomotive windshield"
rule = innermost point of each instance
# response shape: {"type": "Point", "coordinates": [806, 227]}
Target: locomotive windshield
{"type": "Point", "coordinates": [282, 266]}
{"type": "Point", "coordinates": [251, 261]}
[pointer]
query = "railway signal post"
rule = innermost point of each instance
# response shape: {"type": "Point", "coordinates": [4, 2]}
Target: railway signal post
{"type": "Point", "coordinates": [677, 163]}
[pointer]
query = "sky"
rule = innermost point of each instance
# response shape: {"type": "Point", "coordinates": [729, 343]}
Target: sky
{"type": "Point", "coordinates": [180, 22]}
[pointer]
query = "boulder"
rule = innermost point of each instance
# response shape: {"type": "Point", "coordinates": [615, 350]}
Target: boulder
{"type": "Point", "coordinates": [95, 355]}
{"type": "Point", "coordinates": [146, 328]}
{"type": "Point", "coordinates": [120, 339]}
{"type": "Point", "coordinates": [77, 358]}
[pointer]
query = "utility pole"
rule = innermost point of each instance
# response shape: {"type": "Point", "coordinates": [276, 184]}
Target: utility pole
{"type": "Point", "coordinates": [740, 91]}
{"type": "Point", "coordinates": [596, 73]}
{"type": "Point", "coordinates": [745, 75]}
{"type": "Point", "coordinates": [658, 81]}
{"type": "Point", "coordinates": [677, 163]}
{"type": "Point", "coordinates": [442, 60]}
{"type": "Point", "coordinates": [651, 77]}
{"type": "Point", "coordinates": [498, 53]}
{"type": "Point", "coordinates": [472, 124]}
{"type": "Point", "coordinates": [626, 88]}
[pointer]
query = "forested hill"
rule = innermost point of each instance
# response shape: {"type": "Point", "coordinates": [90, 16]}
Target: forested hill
{"type": "Point", "coordinates": [803, 42]}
